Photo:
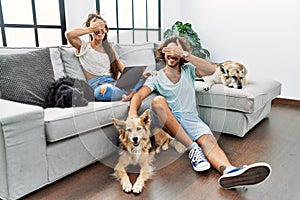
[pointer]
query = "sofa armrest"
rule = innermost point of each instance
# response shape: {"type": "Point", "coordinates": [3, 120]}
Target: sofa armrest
{"type": "Point", "coordinates": [23, 164]}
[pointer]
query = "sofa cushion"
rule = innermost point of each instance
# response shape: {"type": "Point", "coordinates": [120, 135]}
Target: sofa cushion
{"type": "Point", "coordinates": [62, 123]}
{"type": "Point", "coordinates": [249, 99]}
{"type": "Point", "coordinates": [56, 63]}
{"type": "Point", "coordinates": [67, 156]}
{"type": "Point", "coordinates": [232, 122]}
{"type": "Point", "coordinates": [71, 62]}
{"type": "Point", "coordinates": [26, 77]}
{"type": "Point", "coordinates": [54, 54]}
{"type": "Point", "coordinates": [23, 162]}
{"type": "Point", "coordinates": [137, 54]}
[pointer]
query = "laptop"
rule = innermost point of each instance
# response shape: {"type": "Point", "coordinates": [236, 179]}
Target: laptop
{"type": "Point", "coordinates": [130, 77]}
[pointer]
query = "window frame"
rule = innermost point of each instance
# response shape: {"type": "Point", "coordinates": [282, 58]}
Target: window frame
{"type": "Point", "coordinates": [35, 26]}
{"type": "Point", "coordinates": [133, 29]}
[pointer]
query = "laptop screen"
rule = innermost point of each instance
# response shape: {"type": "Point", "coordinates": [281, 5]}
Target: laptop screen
{"type": "Point", "coordinates": [130, 77]}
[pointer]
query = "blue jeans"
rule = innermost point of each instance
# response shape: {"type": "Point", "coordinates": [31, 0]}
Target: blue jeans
{"type": "Point", "coordinates": [112, 93]}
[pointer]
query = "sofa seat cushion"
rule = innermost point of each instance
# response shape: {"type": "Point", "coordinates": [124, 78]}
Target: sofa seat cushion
{"type": "Point", "coordinates": [251, 98]}
{"type": "Point", "coordinates": [62, 123]}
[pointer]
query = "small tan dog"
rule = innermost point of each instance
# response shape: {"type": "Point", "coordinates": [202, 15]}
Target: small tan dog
{"type": "Point", "coordinates": [230, 73]}
{"type": "Point", "coordinates": [136, 148]}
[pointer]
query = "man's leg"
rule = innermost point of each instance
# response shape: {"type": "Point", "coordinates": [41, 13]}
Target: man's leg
{"type": "Point", "coordinates": [213, 152]}
{"type": "Point", "coordinates": [170, 123]}
{"type": "Point", "coordinates": [232, 177]}
{"type": "Point", "coordinates": [168, 120]}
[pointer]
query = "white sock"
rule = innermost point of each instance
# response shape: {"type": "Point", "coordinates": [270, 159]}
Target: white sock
{"type": "Point", "coordinates": [194, 145]}
{"type": "Point", "coordinates": [228, 169]}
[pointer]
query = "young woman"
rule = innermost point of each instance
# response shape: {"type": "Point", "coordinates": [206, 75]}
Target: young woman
{"type": "Point", "coordinates": [100, 62]}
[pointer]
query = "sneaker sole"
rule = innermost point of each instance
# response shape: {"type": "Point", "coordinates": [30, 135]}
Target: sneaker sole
{"type": "Point", "coordinates": [250, 175]}
{"type": "Point", "coordinates": [203, 168]}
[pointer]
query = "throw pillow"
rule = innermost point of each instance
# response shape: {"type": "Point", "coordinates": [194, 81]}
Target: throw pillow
{"type": "Point", "coordinates": [71, 62]}
{"type": "Point", "coordinates": [137, 54]}
{"type": "Point", "coordinates": [54, 55]}
{"type": "Point", "coordinates": [26, 77]}
{"type": "Point", "coordinates": [57, 64]}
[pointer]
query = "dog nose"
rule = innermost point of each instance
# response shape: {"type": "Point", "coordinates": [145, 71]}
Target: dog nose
{"type": "Point", "coordinates": [239, 84]}
{"type": "Point", "coordinates": [135, 139]}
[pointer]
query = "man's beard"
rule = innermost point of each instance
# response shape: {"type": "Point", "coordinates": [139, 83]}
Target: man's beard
{"type": "Point", "coordinates": [172, 61]}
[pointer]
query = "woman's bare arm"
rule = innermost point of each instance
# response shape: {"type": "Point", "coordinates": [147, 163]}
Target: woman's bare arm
{"type": "Point", "coordinates": [74, 34]}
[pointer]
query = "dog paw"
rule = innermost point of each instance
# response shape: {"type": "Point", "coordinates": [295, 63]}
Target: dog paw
{"type": "Point", "coordinates": [179, 147]}
{"type": "Point", "coordinates": [165, 147]}
{"type": "Point", "coordinates": [127, 187]}
{"type": "Point", "coordinates": [157, 150]}
{"type": "Point", "coordinates": [205, 88]}
{"type": "Point", "coordinates": [137, 188]}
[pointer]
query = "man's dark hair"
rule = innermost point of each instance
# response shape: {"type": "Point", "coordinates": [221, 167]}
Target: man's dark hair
{"type": "Point", "coordinates": [185, 46]}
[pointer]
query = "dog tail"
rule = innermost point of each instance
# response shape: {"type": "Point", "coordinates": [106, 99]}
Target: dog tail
{"type": "Point", "coordinates": [179, 147]}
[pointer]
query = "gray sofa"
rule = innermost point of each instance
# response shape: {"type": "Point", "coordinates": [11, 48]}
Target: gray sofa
{"type": "Point", "coordinates": [39, 146]}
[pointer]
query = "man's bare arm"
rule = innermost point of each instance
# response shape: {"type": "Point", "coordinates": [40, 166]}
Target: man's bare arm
{"type": "Point", "coordinates": [136, 101]}
{"type": "Point", "coordinates": [203, 67]}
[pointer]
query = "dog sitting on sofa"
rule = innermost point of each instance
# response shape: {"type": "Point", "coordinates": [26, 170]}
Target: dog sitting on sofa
{"type": "Point", "coordinates": [230, 73]}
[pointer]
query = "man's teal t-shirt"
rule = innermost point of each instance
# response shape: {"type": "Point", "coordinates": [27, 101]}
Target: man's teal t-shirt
{"type": "Point", "coordinates": [181, 95]}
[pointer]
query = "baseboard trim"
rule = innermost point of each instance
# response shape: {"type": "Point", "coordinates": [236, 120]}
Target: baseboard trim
{"type": "Point", "coordinates": [291, 102]}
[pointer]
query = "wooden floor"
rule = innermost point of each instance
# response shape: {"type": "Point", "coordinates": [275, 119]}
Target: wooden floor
{"type": "Point", "coordinates": [276, 140]}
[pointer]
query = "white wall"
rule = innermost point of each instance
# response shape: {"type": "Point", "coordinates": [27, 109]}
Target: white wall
{"type": "Point", "coordinates": [171, 12]}
{"type": "Point", "coordinates": [262, 34]}
{"type": "Point", "coordinates": [77, 11]}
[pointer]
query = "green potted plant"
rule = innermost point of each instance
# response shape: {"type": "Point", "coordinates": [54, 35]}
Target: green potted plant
{"type": "Point", "coordinates": [185, 30]}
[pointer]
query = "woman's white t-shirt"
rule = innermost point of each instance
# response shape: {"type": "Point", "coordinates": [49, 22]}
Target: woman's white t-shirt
{"type": "Point", "coordinates": [92, 61]}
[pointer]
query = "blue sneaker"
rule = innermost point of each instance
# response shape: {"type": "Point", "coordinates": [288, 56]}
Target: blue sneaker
{"type": "Point", "coordinates": [245, 176]}
{"type": "Point", "coordinates": [198, 160]}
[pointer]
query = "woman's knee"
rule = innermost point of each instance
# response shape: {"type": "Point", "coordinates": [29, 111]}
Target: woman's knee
{"type": "Point", "coordinates": [102, 93]}
{"type": "Point", "coordinates": [102, 89]}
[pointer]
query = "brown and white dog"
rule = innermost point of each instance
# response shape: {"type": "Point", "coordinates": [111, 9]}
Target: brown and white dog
{"type": "Point", "coordinates": [230, 73]}
{"type": "Point", "coordinates": [137, 148]}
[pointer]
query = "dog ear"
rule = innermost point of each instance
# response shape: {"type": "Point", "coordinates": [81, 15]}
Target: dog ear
{"type": "Point", "coordinates": [145, 117]}
{"type": "Point", "coordinates": [244, 70]}
{"type": "Point", "coordinates": [223, 69]}
{"type": "Point", "coordinates": [245, 73]}
{"type": "Point", "coordinates": [119, 124]}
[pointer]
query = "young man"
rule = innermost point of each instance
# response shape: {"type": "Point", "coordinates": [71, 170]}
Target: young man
{"type": "Point", "coordinates": [175, 109]}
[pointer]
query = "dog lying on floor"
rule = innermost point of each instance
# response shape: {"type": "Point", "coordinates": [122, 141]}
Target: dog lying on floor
{"type": "Point", "coordinates": [137, 147]}
{"type": "Point", "coordinates": [230, 73]}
